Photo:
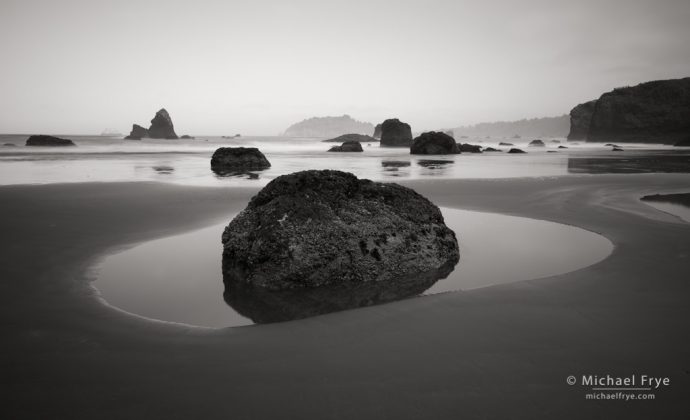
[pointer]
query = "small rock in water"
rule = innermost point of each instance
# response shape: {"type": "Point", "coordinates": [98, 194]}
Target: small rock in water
{"type": "Point", "coordinates": [505, 144]}
{"type": "Point", "coordinates": [434, 143]}
{"type": "Point", "coordinates": [470, 148]}
{"type": "Point", "coordinates": [537, 143]}
{"type": "Point", "coordinates": [43, 140]}
{"type": "Point", "coordinates": [562, 147]}
{"type": "Point", "coordinates": [616, 149]}
{"type": "Point", "coordinates": [491, 149]}
{"type": "Point", "coordinates": [516, 151]}
{"type": "Point", "coordinates": [348, 146]}
{"type": "Point", "coordinates": [232, 159]}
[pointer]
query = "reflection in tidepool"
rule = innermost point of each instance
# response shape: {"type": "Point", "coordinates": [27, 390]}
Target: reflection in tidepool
{"type": "Point", "coordinates": [179, 278]}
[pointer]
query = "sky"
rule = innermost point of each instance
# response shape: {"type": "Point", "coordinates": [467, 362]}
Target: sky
{"type": "Point", "coordinates": [254, 67]}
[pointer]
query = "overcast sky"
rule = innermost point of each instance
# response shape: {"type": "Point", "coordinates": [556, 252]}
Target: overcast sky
{"type": "Point", "coordinates": [255, 67]}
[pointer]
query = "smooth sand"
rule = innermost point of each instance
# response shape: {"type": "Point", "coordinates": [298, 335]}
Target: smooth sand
{"type": "Point", "coordinates": [498, 352]}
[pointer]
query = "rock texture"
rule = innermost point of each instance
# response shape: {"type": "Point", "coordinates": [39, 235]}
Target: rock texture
{"type": "Point", "coordinates": [326, 228]}
{"type": "Point", "coordinates": [580, 117]}
{"type": "Point", "coordinates": [348, 146]}
{"type": "Point", "coordinates": [43, 140]}
{"type": "Point", "coordinates": [395, 133]}
{"type": "Point", "coordinates": [362, 138]}
{"type": "Point", "coordinates": [434, 143]}
{"type": "Point", "coordinates": [652, 112]}
{"type": "Point", "coordinates": [138, 132]}
{"type": "Point", "coordinates": [238, 159]}
{"type": "Point", "coordinates": [162, 126]}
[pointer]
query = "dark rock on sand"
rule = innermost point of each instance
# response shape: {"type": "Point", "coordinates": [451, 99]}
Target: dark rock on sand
{"type": "Point", "coordinates": [348, 146]}
{"type": "Point", "coordinates": [233, 159]}
{"type": "Point", "coordinates": [43, 140]}
{"type": "Point", "coordinates": [470, 148]}
{"type": "Point", "coordinates": [138, 132]}
{"type": "Point", "coordinates": [395, 133]}
{"type": "Point", "coordinates": [362, 138]}
{"type": "Point", "coordinates": [328, 228]}
{"type": "Point", "coordinates": [505, 144]}
{"type": "Point", "coordinates": [491, 149]}
{"type": "Point", "coordinates": [516, 151]}
{"type": "Point", "coordinates": [580, 118]}
{"type": "Point", "coordinates": [162, 126]}
{"type": "Point", "coordinates": [434, 143]}
{"type": "Point", "coordinates": [536, 143]}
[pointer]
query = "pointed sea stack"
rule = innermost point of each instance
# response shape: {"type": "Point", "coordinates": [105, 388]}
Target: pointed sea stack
{"type": "Point", "coordinates": [162, 126]}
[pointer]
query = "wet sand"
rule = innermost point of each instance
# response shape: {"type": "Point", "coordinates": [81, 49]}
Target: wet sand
{"type": "Point", "coordinates": [498, 352]}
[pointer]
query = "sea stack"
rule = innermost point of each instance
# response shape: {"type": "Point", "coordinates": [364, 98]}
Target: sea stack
{"type": "Point", "coordinates": [395, 133]}
{"type": "Point", "coordinates": [325, 228]}
{"type": "Point", "coordinates": [348, 146]}
{"type": "Point", "coordinates": [434, 143]}
{"type": "Point", "coordinates": [162, 126]}
{"type": "Point", "coordinates": [652, 112]}
{"type": "Point", "coordinates": [138, 132]}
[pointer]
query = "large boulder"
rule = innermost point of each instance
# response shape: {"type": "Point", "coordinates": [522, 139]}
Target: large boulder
{"type": "Point", "coordinates": [238, 159]}
{"type": "Point", "coordinates": [434, 143]}
{"type": "Point", "coordinates": [348, 146]}
{"type": "Point", "coordinates": [162, 126]}
{"type": "Point", "coordinates": [138, 132]}
{"type": "Point", "coordinates": [362, 138]}
{"type": "Point", "coordinates": [580, 117]}
{"type": "Point", "coordinates": [395, 133]}
{"type": "Point", "coordinates": [43, 140]}
{"type": "Point", "coordinates": [328, 228]}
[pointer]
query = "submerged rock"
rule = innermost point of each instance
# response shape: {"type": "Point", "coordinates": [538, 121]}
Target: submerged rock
{"type": "Point", "coordinates": [9, 145]}
{"type": "Point", "coordinates": [43, 140]}
{"type": "Point", "coordinates": [234, 159]}
{"type": "Point", "coordinates": [187, 137]}
{"type": "Point", "coordinates": [434, 143]}
{"type": "Point", "coordinates": [536, 143]}
{"type": "Point", "coordinates": [326, 228]}
{"type": "Point", "coordinates": [470, 148]}
{"type": "Point", "coordinates": [491, 149]}
{"type": "Point", "coordinates": [505, 144]}
{"type": "Point", "coordinates": [395, 133]}
{"type": "Point", "coordinates": [348, 146]}
{"type": "Point", "coordinates": [516, 151]}
{"type": "Point", "coordinates": [362, 138]}
{"type": "Point", "coordinates": [616, 149]}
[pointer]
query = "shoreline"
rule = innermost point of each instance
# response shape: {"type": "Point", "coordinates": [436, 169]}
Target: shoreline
{"type": "Point", "coordinates": [475, 343]}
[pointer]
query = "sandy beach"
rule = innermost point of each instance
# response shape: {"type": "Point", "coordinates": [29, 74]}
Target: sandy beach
{"type": "Point", "coordinates": [497, 352]}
